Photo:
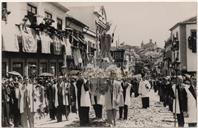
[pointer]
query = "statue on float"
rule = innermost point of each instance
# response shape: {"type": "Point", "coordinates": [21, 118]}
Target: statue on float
{"type": "Point", "coordinates": [105, 45]}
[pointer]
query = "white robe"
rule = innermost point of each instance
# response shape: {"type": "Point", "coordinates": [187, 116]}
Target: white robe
{"type": "Point", "coordinates": [128, 97]}
{"type": "Point", "coordinates": [176, 100]}
{"type": "Point", "coordinates": [115, 101]}
{"type": "Point", "coordinates": [63, 94]}
{"type": "Point", "coordinates": [142, 88]}
{"type": "Point", "coordinates": [29, 89]}
{"type": "Point", "coordinates": [192, 107]}
{"type": "Point", "coordinates": [85, 97]}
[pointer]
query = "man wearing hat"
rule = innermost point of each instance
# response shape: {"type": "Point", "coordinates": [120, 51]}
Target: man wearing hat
{"type": "Point", "coordinates": [15, 97]}
{"type": "Point", "coordinates": [50, 88]}
{"type": "Point", "coordinates": [59, 99]}
{"type": "Point", "coordinates": [5, 104]}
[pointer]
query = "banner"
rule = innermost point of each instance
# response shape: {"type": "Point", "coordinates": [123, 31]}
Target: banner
{"type": "Point", "coordinates": [29, 40]}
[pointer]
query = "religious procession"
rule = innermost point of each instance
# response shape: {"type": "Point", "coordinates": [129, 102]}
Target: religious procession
{"type": "Point", "coordinates": [70, 72]}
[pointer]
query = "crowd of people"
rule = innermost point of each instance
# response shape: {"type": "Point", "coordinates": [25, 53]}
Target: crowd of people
{"type": "Point", "coordinates": [26, 100]}
{"type": "Point", "coordinates": [178, 93]}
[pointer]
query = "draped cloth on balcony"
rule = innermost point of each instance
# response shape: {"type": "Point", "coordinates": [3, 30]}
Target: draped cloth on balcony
{"type": "Point", "coordinates": [45, 42]}
{"type": "Point", "coordinates": [29, 40]}
{"type": "Point", "coordinates": [77, 57]}
{"type": "Point", "coordinates": [9, 37]}
{"type": "Point", "coordinates": [57, 45]}
{"type": "Point", "coordinates": [68, 47]}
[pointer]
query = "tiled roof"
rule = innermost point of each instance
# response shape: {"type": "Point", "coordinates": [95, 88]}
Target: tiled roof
{"type": "Point", "coordinates": [192, 20]}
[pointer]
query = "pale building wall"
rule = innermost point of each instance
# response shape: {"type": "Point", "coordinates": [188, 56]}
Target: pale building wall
{"type": "Point", "coordinates": [191, 57]}
{"type": "Point", "coordinates": [85, 15]}
{"type": "Point", "coordinates": [19, 10]}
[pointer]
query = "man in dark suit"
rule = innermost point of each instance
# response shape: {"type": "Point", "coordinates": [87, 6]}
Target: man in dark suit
{"type": "Point", "coordinates": [51, 98]}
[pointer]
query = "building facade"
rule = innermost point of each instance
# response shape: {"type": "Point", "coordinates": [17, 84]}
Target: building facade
{"type": "Point", "coordinates": [185, 35]}
{"type": "Point", "coordinates": [23, 33]}
{"type": "Point", "coordinates": [118, 56]}
{"type": "Point", "coordinates": [167, 57]}
{"type": "Point", "coordinates": [90, 39]}
{"type": "Point", "coordinates": [150, 45]}
{"type": "Point", "coordinates": [96, 19]}
{"type": "Point", "coordinates": [78, 58]}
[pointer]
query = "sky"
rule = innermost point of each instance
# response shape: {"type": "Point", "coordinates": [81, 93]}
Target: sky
{"type": "Point", "coordinates": [137, 22]}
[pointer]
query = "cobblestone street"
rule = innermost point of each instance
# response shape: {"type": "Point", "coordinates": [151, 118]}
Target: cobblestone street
{"type": "Point", "coordinates": [155, 116]}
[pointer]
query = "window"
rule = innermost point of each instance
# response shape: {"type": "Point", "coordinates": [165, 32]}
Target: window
{"type": "Point", "coordinates": [48, 15]}
{"type": "Point", "coordinates": [32, 68]}
{"type": "Point", "coordinates": [60, 68]}
{"type": "Point", "coordinates": [4, 5]}
{"type": "Point", "coordinates": [32, 9]}
{"type": "Point", "coordinates": [177, 35]}
{"type": "Point", "coordinates": [31, 12]}
{"type": "Point", "coordinates": [53, 68]}
{"type": "Point", "coordinates": [59, 23]}
{"type": "Point", "coordinates": [194, 40]}
{"type": "Point", "coordinates": [18, 67]}
{"type": "Point", "coordinates": [118, 55]}
{"type": "Point", "coordinates": [43, 67]}
{"type": "Point", "coordinates": [173, 36]}
{"type": "Point", "coordinates": [4, 11]}
{"type": "Point", "coordinates": [194, 33]}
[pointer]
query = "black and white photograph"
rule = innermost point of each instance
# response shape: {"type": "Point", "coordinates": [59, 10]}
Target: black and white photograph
{"type": "Point", "coordinates": [98, 64]}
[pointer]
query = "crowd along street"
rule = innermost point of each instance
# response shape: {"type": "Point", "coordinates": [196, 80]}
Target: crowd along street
{"type": "Point", "coordinates": [60, 69]}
